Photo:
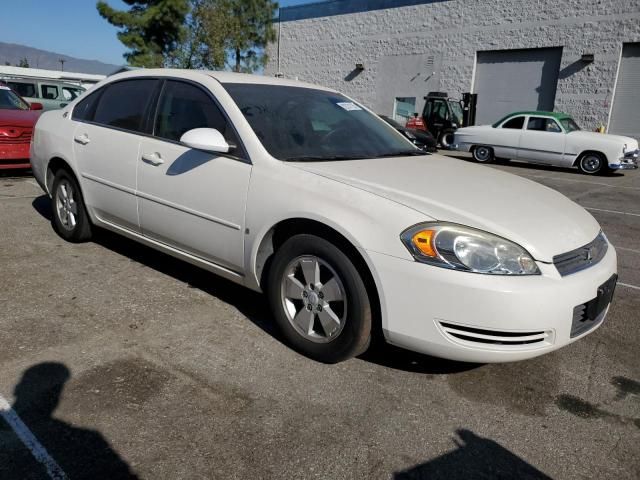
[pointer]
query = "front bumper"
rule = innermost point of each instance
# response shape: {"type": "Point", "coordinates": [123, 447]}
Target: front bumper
{"type": "Point", "coordinates": [483, 318]}
{"type": "Point", "coordinates": [627, 162]}
{"type": "Point", "coordinates": [14, 156]}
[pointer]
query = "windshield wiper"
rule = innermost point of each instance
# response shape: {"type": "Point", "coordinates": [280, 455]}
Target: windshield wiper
{"type": "Point", "coordinates": [403, 153]}
{"type": "Point", "coordinates": [318, 158]}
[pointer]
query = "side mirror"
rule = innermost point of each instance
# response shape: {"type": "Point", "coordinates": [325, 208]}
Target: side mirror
{"type": "Point", "coordinates": [207, 139]}
{"type": "Point", "coordinates": [35, 106]}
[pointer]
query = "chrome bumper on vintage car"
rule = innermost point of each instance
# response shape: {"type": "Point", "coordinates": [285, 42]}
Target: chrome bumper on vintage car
{"type": "Point", "coordinates": [629, 161]}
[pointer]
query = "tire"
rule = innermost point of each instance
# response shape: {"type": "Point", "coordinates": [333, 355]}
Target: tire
{"type": "Point", "coordinates": [592, 163]}
{"type": "Point", "coordinates": [69, 219]}
{"type": "Point", "coordinates": [446, 139]}
{"type": "Point", "coordinates": [483, 154]}
{"type": "Point", "coordinates": [328, 331]}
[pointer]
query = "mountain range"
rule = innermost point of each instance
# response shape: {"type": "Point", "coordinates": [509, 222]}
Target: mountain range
{"type": "Point", "coordinates": [13, 54]}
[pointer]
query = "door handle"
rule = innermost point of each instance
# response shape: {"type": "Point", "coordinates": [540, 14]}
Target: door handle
{"type": "Point", "coordinates": [152, 158]}
{"type": "Point", "coordinates": [82, 139]}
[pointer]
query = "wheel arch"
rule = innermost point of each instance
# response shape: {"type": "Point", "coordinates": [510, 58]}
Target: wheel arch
{"type": "Point", "coordinates": [585, 152]}
{"type": "Point", "coordinates": [275, 236]}
{"type": "Point", "coordinates": [53, 165]}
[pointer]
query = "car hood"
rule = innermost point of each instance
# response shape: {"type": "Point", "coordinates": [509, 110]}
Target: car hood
{"type": "Point", "coordinates": [583, 135]}
{"type": "Point", "coordinates": [538, 218]}
{"type": "Point", "coordinates": [19, 118]}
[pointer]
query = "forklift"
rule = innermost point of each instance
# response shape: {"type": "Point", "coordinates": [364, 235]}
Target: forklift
{"type": "Point", "coordinates": [443, 115]}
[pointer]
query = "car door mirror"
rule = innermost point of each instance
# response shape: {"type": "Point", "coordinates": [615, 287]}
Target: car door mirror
{"type": "Point", "coordinates": [207, 139]}
{"type": "Point", "coordinates": [35, 106]}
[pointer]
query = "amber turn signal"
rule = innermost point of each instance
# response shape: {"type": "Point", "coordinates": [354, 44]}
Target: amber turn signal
{"type": "Point", "coordinates": [423, 241]}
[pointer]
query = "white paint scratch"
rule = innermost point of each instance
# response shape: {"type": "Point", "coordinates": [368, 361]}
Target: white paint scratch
{"type": "Point", "coordinates": [30, 441]}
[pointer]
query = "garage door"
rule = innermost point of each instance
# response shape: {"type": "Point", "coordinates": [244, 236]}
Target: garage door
{"type": "Point", "coordinates": [510, 80]}
{"type": "Point", "coordinates": [625, 115]}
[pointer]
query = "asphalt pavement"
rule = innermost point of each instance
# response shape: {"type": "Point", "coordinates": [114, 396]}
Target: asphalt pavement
{"type": "Point", "coordinates": [122, 362]}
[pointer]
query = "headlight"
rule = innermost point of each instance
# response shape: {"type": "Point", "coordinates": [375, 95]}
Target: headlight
{"type": "Point", "coordinates": [463, 248]}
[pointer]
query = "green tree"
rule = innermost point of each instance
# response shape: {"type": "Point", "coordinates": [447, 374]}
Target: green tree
{"type": "Point", "coordinates": [235, 32]}
{"type": "Point", "coordinates": [24, 63]}
{"type": "Point", "coordinates": [151, 29]}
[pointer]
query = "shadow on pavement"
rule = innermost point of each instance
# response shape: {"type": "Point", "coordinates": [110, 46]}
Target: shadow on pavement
{"type": "Point", "coordinates": [79, 452]}
{"type": "Point", "coordinates": [475, 457]}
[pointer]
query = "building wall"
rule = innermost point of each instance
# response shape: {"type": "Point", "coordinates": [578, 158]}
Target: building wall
{"type": "Point", "coordinates": [441, 38]}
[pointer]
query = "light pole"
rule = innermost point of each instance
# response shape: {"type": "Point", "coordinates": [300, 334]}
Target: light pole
{"type": "Point", "coordinates": [61, 60]}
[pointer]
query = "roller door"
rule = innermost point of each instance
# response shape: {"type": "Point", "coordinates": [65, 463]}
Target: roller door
{"type": "Point", "coordinates": [625, 115]}
{"type": "Point", "coordinates": [510, 80]}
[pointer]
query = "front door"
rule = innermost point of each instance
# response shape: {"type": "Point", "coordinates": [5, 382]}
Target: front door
{"type": "Point", "coordinates": [542, 141]}
{"type": "Point", "coordinates": [191, 199]}
{"type": "Point", "coordinates": [106, 143]}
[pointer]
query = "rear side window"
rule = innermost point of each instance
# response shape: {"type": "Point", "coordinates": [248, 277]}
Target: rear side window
{"type": "Point", "coordinates": [124, 104]}
{"type": "Point", "coordinates": [24, 89]}
{"type": "Point", "coordinates": [515, 123]}
{"type": "Point", "coordinates": [50, 92]}
{"type": "Point", "coordinates": [183, 107]}
{"type": "Point", "coordinates": [86, 108]}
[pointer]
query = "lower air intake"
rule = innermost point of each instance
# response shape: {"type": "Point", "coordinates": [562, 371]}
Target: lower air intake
{"type": "Point", "coordinates": [495, 337]}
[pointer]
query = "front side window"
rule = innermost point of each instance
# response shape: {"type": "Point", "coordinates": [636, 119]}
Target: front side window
{"type": "Point", "coordinates": [24, 89]}
{"type": "Point", "coordinates": [10, 101]}
{"type": "Point", "coordinates": [305, 124]}
{"type": "Point", "coordinates": [124, 104]}
{"type": "Point", "coordinates": [515, 123]}
{"type": "Point", "coordinates": [70, 93]}
{"type": "Point", "coordinates": [440, 112]}
{"type": "Point", "coordinates": [456, 111]}
{"type": "Point", "coordinates": [183, 107]}
{"type": "Point", "coordinates": [569, 125]}
{"type": "Point", "coordinates": [49, 92]}
{"type": "Point", "coordinates": [542, 124]}
{"type": "Point", "coordinates": [85, 109]}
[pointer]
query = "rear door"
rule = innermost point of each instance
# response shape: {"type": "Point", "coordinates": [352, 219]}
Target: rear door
{"type": "Point", "coordinates": [106, 143]}
{"type": "Point", "coordinates": [191, 199]}
{"type": "Point", "coordinates": [542, 141]}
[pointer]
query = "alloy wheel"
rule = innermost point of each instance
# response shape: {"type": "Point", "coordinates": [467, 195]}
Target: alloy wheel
{"type": "Point", "coordinates": [66, 206]}
{"type": "Point", "coordinates": [314, 299]}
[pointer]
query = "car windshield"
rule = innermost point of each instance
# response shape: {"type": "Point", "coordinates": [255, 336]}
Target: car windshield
{"type": "Point", "coordinates": [71, 93]}
{"type": "Point", "coordinates": [456, 111]}
{"type": "Point", "coordinates": [305, 124]}
{"type": "Point", "coordinates": [569, 125]}
{"type": "Point", "coordinates": [11, 101]}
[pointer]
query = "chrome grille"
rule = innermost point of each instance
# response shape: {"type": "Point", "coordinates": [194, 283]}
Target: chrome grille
{"type": "Point", "coordinates": [583, 257]}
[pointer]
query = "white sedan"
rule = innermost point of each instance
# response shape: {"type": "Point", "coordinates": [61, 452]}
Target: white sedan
{"type": "Point", "coordinates": [548, 138]}
{"type": "Point", "coordinates": [301, 192]}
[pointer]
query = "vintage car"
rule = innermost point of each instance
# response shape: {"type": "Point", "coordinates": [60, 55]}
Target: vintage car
{"type": "Point", "coordinates": [17, 118]}
{"type": "Point", "coordinates": [551, 138]}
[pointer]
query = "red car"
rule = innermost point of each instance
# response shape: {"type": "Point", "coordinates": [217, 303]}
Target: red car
{"type": "Point", "coordinates": [17, 119]}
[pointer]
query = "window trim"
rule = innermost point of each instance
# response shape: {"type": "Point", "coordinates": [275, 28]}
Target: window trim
{"type": "Point", "coordinates": [154, 102]}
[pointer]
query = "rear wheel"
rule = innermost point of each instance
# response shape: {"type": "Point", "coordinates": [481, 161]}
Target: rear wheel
{"type": "Point", "coordinates": [319, 299]}
{"type": "Point", "coordinates": [70, 219]}
{"type": "Point", "coordinates": [591, 163]}
{"type": "Point", "coordinates": [483, 154]}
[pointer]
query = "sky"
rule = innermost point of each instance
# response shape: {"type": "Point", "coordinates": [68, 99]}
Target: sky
{"type": "Point", "coordinates": [72, 27]}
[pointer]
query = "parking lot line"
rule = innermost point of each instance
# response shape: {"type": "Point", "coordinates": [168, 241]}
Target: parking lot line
{"type": "Point", "coordinates": [30, 441]}
{"type": "Point", "coordinates": [546, 177]}
{"type": "Point", "coordinates": [633, 250]}
{"type": "Point", "coordinates": [635, 287]}
{"type": "Point", "coordinates": [612, 211]}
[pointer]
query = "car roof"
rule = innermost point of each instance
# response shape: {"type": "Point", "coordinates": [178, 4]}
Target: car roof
{"type": "Point", "coordinates": [222, 77]}
{"type": "Point", "coordinates": [537, 113]}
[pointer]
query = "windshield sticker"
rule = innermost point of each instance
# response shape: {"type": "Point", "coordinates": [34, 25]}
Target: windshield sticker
{"type": "Point", "coordinates": [348, 106]}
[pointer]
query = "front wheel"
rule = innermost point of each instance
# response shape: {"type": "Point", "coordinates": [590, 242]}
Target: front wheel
{"type": "Point", "coordinates": [591, 163]}
{"type": "Point", "coordinates": [483, 154]}
{"type": "Point", "coordinates": [319, 300]}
